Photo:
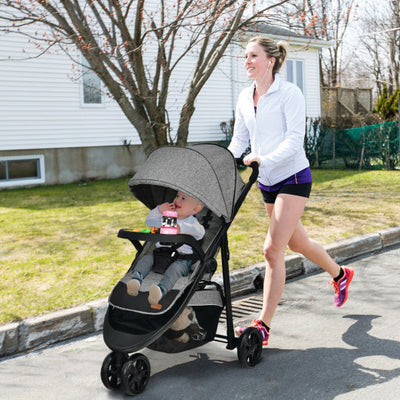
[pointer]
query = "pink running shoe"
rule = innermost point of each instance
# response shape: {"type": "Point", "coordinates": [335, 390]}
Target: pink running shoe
{"type": "Point", "coordinates": [261, 328]}
{"type": "Point", "coordinates": [342, 287]}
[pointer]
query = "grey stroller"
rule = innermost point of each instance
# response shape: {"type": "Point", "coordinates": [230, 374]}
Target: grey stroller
{"type": "Point", "coordinates": [208, 173]}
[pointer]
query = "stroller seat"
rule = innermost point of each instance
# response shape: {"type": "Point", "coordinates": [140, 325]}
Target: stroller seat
{"type": "Point", "coordinates": [119, 297]}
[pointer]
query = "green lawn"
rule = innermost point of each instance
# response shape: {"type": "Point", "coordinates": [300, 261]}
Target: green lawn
{"type": "Point", "coordinates": [59, 246]}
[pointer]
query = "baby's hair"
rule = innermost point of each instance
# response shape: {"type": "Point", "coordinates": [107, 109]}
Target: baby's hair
{"type": "Point", "coordinates": [278, 50]}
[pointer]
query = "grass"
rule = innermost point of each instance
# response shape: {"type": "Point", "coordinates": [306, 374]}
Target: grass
{"type": "Point", "coordinates": [59, 247]}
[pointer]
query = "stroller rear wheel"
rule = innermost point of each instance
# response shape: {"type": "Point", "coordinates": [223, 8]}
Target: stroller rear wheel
{"type": "Point", "coordinates": [111, 370]}
{"type": "Point", "coordinates": [250, 347]}
{"type": "Point", "coordinates": [135, 374]}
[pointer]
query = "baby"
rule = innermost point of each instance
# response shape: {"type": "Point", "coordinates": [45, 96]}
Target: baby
{"type": "Point", "coordinates": [185, 207]}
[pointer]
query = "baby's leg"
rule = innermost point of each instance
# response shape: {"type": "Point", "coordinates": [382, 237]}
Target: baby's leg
{"type": "Point", "coordinates": [177, 269]}
{"type": "Point", "coordinates": [141, 270]}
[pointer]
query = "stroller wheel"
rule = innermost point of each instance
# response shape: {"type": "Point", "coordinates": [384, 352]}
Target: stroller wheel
{"type": "Point", "coordinates": [135, 374]}
{"type": "Point", "coordinates": [111, 370]}
{"type": "Point", "coordinates": [250, 347]}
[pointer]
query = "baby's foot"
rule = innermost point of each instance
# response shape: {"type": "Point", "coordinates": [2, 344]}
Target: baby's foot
{"type": "Point", "coordinates": [155, 295]}
{"type": "Point", "coordinates": [132, 287]}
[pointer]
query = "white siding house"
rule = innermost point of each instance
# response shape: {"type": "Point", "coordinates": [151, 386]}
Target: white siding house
{"type": "Point", "coordinates": [49, 134]}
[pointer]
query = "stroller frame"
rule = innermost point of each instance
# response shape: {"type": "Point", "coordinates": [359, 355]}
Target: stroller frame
{"type": "Point", "coordinates": [132, 373]}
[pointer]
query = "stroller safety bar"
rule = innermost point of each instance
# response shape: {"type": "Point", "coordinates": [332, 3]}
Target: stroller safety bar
{"type": "Point", "coordinates": [135, 238]}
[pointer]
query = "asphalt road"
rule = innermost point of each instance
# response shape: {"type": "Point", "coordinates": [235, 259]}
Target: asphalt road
{"type": "Point", "coordinates": [316, 351]}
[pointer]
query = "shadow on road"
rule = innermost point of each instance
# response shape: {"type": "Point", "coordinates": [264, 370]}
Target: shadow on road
{"type": "Point", "coordinates": [314, 373]}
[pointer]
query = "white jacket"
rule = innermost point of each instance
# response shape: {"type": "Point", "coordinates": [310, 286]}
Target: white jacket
{"type": "Point", "coordinates": [276, 132]}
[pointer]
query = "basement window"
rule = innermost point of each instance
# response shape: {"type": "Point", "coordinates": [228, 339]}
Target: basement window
{"type": "Point", "coordinates": [21, 170]}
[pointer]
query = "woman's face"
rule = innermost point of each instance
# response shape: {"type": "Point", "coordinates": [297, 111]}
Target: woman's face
{"type": "Point", "coordinates": [257, 61]}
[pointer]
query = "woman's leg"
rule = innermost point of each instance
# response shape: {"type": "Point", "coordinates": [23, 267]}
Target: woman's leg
{"type": "Point", "coordinates": [284, 215]}
{"type": "Point", "coordinates": [286, 229]}
{"type": "Point", "coordinates": [301, 243]}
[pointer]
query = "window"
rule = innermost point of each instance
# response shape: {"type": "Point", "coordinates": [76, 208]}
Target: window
{"type": "Point", "coordinates": [21, 170]}
{"type": "Point", "coordinates": [294, 70]}
{"type": "Point", "coordinates": [91, 86]}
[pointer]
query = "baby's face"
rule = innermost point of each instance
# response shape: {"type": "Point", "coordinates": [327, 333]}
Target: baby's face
{"type": "Point", "coordinates": [185, 205]}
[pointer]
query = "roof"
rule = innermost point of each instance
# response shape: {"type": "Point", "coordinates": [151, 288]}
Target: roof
{"type": "Point", "coordinates": [278, 32]}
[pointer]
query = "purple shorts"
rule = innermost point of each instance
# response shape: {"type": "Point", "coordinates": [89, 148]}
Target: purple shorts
{"type": "Point", "coordinates": [298, 184]}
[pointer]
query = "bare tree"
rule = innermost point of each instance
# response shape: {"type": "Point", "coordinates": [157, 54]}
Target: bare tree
{"type": "Point", "coordinates": [380, 40]}
{"type": "Point", "coordinates": [326, 20]}
{"type": "Point", "coordinates": [393, 39]}
{"type": "Point", "coordinates": [112, 36]}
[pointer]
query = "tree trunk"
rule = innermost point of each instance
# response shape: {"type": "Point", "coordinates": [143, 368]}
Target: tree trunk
{"type": "Point", "coordinates": [184, 122]}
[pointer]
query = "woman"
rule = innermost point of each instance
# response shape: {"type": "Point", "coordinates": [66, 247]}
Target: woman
{"type": "Point", "coordinates": [271, 114]}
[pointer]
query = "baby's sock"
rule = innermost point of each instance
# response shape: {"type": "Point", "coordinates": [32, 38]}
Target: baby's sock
{"type": "Point", "coordinates": [132, 287]}
{"type": "Point", "coordinates": [155, 295]}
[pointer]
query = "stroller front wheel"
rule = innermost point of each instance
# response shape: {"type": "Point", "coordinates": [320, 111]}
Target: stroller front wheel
{"type": "Point", "coordinates": [135, 374]}
{"type": "Point", "coordinates": [111, 370]}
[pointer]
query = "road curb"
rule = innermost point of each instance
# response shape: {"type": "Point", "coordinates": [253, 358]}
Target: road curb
{"type": "Point", "coordinates": [40, 332]}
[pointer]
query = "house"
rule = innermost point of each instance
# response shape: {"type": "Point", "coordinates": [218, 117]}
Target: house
{"type": "Point", "coordinates": [55, 129]}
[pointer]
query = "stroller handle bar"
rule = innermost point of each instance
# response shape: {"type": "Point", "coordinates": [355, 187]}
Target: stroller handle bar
{"type": "Point", "coordinates": [135, 238]}
{"type": "Point", "coordinates": [254, 174]}
{"type": "Point", "coordinates": [254, 166]}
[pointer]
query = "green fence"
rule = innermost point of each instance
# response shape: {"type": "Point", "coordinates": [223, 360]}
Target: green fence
{"type": "Point", "coordinates": [366, 147]}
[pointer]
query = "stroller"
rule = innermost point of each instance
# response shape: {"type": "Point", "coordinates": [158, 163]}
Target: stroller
{"type": "Point", "coordinates": [208, 173]}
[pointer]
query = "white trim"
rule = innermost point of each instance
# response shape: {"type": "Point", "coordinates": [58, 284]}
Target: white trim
{"type": "Point", "coordinates": [25, 181]}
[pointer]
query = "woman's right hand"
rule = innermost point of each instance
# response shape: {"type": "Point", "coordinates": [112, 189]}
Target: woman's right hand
{"type": "Point", "coordinates": [247, 160]}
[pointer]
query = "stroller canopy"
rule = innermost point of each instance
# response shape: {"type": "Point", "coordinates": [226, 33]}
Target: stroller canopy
{"type": "Point", "coordinates": [206, 172]}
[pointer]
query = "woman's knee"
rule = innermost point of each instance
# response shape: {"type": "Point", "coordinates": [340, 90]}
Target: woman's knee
{"type": "Point", "coordinates": [272, 254]}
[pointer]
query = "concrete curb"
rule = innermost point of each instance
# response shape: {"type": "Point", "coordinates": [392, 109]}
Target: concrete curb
{"type": "Point", "coordinates": [39, 332]}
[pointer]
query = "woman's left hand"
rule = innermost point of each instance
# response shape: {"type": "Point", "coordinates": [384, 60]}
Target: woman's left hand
{"type": "Point", "coordinates": [251, 158]}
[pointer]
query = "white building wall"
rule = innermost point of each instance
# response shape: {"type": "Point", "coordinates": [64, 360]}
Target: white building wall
{"type": "Point", "coordinates": [40, 104]}
{"type": "Point", "coordinates": [213, 105]}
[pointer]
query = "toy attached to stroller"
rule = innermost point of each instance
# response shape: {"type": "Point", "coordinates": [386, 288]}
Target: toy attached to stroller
{"type": "Point", "coordinates": [188, 315]}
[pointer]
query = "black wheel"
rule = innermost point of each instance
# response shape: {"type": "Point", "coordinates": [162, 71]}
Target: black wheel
{"type": "Point", "coordinates": [111, 370]}
{"type": "Point", "coordinates": [135, 374]}
{"type": "Point", "coordinates": [250, 347]}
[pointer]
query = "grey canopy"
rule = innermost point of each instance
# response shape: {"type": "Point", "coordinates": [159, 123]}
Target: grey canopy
{"type": "Point", "coordinates": [206, 172]}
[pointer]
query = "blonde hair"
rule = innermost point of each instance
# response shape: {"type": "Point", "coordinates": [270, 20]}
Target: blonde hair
{"type": "Point", "coordinates": [278, 50]}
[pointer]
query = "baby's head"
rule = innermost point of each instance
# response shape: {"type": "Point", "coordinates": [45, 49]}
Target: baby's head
{"type": "Point", "coordinates": [186, 205]}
